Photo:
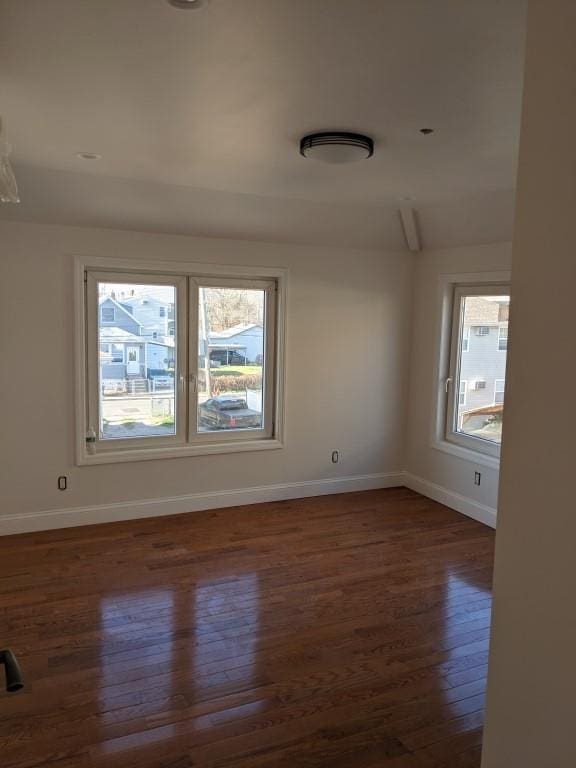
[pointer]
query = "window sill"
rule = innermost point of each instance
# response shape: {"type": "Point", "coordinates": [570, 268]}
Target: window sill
{"type": "Point", "coordinates": [475, 457]}
{"type": "Point", "coordinates": [178, 452]}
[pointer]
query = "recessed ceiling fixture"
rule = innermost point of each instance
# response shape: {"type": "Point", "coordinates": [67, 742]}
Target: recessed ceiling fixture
{"type": "Point", "coordinates": [88, 156]}
{"type": "Point", "coordinates": [337, 147]}
{"type": "Point", "coordinates": [188, 4]}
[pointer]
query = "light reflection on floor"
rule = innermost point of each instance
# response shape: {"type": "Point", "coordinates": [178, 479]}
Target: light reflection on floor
{"type": "Point", "coordinates": [227, 617]}
{"type": "Point", "coordinates": [467, 609]}
{"type": "Point", "coordinates": [139, 644]}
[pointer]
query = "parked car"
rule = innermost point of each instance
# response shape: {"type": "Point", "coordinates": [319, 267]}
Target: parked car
{"type": "Point", "coordinates": [227, 358]}
{"type": "Point", "coordinates": [228, 412]}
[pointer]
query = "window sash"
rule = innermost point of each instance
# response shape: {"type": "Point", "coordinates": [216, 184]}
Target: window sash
{"type": "Point", "coordinates": [268, 370]}
{"type": "Point", "coordinates": [461, 292]}
{"type": "Point", "coordinates": [93, 415]}
{"type": "Point", "coordinates": [186, 371]}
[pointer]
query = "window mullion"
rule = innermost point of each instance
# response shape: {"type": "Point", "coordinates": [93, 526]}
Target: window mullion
{"type": "Point", "coordinates": [193, 357]}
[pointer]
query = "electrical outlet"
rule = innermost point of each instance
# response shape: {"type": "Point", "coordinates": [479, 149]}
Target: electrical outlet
{"type": "Point", "coordinates": [477, 478]}
{"type": "Point", "coordinates": [335, 457]}
{"type": "Point", "coordinates": [62, 483]}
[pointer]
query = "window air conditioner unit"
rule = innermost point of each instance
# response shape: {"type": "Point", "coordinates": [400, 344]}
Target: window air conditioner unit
{"type": "Point", "coordinates": [482, 330]}
{"type": "Point", "coordinates": [479, 385]}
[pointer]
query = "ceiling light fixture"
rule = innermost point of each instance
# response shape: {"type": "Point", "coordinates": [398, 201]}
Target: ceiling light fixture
{"type": "Point", "coordinates": [188, 4]}
{"type": "Point", "coordinates": [337, 147]}
{"type": "Point", "coordinates": [88, 156]}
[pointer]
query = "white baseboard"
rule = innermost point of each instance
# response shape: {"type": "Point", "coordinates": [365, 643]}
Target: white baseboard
{"type": "Point", "coordinates": [131, 510]}
{"type": "Point", "coordinates": [173, 505]}
{"type": "Point", "coordinates": [463, 504]}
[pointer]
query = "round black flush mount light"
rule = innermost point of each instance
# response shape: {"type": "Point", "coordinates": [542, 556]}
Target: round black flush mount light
{"type": "Point", "coordinates": [337, 147]}
{"type": "Point", "coordinates": [188, 4]}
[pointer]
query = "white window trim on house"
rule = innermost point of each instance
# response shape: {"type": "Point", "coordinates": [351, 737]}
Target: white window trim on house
{"type": "Point", "coordinates": [499, 390]}
{"type": "Point", "coordinates": [502, 337]}
{"type": "Point", "coordinates": [102, 309]}
{"type": "Point", "coordinates": [466, 339]}
{"type": "Point", "coordinates": [187, 441]}
{"type": "Point", "coordinates": [463, 392]}
{"type": "Point", "coordinates": [443, 339]}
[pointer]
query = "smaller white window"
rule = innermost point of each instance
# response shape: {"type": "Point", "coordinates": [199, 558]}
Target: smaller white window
{"type": "Point", "coordinates": [499, 387]}
{"type": "Point", "coordinates": [107, 315]}
{"type": "Point", "coordinates": [503, 338]}
{"type": "Point", "coordinates": [162, 312]}
{"type": "Point", "coordinates": [472, 419]}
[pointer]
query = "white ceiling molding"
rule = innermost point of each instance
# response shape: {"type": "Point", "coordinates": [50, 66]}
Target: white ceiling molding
{"type": "Point", "coordinates": [409, 220]}
{"type": "Point", "coordinates": [90, 200]}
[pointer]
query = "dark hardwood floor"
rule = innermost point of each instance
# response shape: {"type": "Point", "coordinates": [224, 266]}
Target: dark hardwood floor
{"type": "Point", "coordinates": [346, 630]}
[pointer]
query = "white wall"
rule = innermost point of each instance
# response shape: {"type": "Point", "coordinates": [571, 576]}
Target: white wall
{"type": "Point", "coordinates": [532, 677]}
{"type": "Point", "coordinates": [446, 477]}
{"type": "Point", "coordinates": [356, 300]}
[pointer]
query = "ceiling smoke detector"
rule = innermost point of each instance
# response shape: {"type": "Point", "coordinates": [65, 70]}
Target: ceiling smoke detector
{"type": "Point", "coordinates": [88, 156]}
{"type": "Point", "coordinates": [337, 147]}
{"type": "Point", "coordinates": [188, 4]}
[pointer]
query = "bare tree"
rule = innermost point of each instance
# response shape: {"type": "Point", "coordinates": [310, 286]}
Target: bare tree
{"type": "Point", "coordinates": [227, 307]}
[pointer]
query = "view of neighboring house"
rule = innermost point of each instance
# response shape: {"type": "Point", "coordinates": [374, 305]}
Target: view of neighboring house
{"type": "Point", "coordinates": [483, 358]}
{"type": "Point", "coordinates": [242, 344]}
{"type": "Point", "coordinates": [155, 315]}
{"type": "Point", "coordinates": [135, 340]}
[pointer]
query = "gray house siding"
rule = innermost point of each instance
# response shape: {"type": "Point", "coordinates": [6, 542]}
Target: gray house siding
{"type": "Point", "coordinates": [114, 316]}
{"type": "Point", "coordinates": [154, 315]}
{"type": "Point", "coordinates": [251, 340]}
{"type": "Point", "coordinates": [159, 357]}
{"type": "Point", "coordinates": [483, 361]}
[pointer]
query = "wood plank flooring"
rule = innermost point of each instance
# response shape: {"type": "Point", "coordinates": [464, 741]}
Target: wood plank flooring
{"type": "Point", "coordinates": [347, 630]}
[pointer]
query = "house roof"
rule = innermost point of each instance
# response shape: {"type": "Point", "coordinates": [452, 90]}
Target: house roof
{"type": "Point", "coordinates": [481, 311]}
{"type": "Point", "coordinates": [115, 335]}
{"type": "Point", "coordinates": [234, 330]}
{"type": "Point", "coordinates": [118, 335]}
{"type": "Point", "coordinates": [224, 345]}
{"type": "Point", "coordinates": [138, 301]}
{"type": "Point", "coordinates": [104, 299]}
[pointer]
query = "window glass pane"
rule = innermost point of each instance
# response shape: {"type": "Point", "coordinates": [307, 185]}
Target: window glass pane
{"type": "Point", "coordinates": [480, 405]}
{"type": "Point", "coordinates": [137, 360]}
{"type": "Point", "coordinates": [231, 359]}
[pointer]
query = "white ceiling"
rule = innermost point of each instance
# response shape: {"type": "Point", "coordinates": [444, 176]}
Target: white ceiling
{"type": "Point", "coordinates": [197, 115]}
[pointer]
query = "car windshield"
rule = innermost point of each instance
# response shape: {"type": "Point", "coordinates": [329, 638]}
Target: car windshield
{"type": "Point", "coordinates": [231, 405]}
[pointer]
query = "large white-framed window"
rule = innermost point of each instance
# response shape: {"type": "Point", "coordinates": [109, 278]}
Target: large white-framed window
{"type": "Point", "coordinates": [474, 419]}
{"type": "Point", "coordinates": [212, 383]}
